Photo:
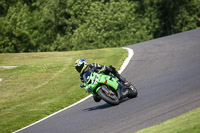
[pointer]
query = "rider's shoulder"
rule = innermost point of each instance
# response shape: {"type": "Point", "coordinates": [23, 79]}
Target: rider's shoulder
{"type": "Point", "coordinates": [92, 64]}
{"type": "Point", "coordinates": [95, 65]}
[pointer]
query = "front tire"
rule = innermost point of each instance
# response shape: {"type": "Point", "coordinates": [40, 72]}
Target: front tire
{"type": "Point", "coordinates": [96, 98]}
{"type": "Point", "coordinates": [113, 100]}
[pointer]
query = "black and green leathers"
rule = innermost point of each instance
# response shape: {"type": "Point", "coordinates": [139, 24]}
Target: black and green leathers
{"type": "Point", "coordinates": [102, 68]}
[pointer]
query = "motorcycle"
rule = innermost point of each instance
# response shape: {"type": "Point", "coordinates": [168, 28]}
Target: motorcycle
{"type": "Point", "coordinates": [107, 87]}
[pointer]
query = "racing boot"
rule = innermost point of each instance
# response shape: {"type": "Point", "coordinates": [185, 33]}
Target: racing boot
{"type": "Point", "coordinates": [123, 80]}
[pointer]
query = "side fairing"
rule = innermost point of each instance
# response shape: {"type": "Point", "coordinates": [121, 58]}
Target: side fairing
{"type": "Point", "coordinates": [94, 79]}
{"type": "Point", "coordinates": [109, 81]}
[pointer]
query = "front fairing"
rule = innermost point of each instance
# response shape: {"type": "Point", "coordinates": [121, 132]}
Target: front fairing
{"type": "Point", "coordinates": [91, 80]}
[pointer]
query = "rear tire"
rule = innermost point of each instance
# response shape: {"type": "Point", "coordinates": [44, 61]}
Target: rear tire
{"type": "Point", "coordinates": [132, 92]}
{"type": "Point", "coordinates": [106, 98]}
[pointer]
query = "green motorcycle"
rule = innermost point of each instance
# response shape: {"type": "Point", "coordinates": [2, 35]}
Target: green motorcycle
{"type": "Point", "coordinates": [107, 87]}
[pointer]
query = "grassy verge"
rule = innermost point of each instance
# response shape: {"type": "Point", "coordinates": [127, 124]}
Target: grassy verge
{"type": "Point", "coordinates": [44, 83]}
{"type": "Point", "coordinates": [186, 123]}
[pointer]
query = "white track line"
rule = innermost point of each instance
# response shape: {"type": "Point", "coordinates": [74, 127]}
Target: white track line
{"type": "Point", "coordinates": [124, 65]}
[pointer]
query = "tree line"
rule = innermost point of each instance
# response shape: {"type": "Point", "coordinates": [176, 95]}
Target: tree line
{"type": "Point", "coordinates": [63, 25]}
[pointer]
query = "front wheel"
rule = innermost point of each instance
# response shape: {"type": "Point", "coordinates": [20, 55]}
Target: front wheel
{"type": "Point", "coordinates": [108, 96]}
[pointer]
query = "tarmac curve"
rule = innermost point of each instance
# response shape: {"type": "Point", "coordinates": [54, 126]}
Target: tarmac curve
{"type": "Point", "coordinates": [166, 72]}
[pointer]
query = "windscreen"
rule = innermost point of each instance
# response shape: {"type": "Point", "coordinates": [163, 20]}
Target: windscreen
{"type": "Point", "coordinates": [85, 75]}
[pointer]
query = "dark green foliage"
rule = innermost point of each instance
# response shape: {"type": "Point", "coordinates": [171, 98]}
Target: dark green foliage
{"type": "Point", "coordinates": [59, 25]}
{"type": "Point", "coordinates": [177, 16]}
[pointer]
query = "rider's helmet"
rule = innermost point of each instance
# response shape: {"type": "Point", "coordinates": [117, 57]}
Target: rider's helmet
{"type": "Point", "coordinates": [80, 65]}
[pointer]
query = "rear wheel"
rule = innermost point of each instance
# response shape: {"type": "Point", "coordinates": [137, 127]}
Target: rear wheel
{"type": "Point", "coordinates": [132, 91]}
{"type": "Point", "coordinates": [108, 96]}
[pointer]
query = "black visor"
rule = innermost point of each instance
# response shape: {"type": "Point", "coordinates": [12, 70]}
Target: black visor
{"type": "Point", "coordinates": [79, 68]}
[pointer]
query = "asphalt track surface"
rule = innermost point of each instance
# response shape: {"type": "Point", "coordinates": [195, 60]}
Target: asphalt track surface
{"type": "Point", "coordinates": [166, 72]}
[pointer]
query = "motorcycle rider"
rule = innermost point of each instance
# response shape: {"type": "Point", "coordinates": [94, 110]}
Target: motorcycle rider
{"type": "Point", "coordinates": [82, 67]}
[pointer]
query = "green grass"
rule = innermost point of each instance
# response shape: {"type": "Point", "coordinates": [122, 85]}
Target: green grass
{"type": "Point", "coordinates": [186, 123]}
{"type": "Point", "coordinates": [44, 83]}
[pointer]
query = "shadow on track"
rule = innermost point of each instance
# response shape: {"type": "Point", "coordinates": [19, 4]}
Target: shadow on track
{"type": "Point", "coordinates": [104, 106]}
